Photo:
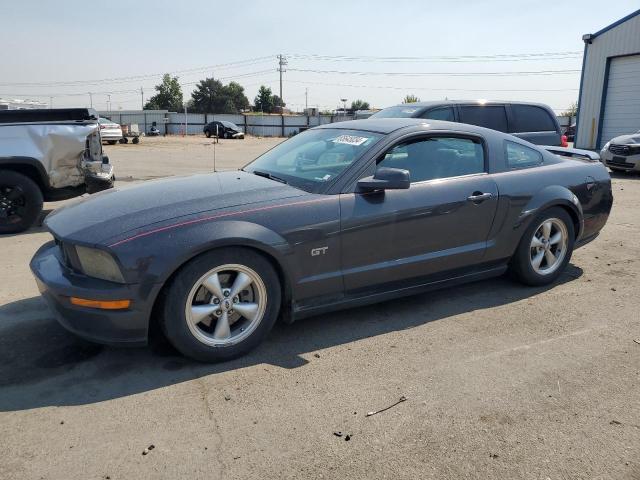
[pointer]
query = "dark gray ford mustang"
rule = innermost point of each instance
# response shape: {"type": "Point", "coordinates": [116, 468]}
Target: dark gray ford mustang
{"type": "Point", "coordinates": [339, 216]}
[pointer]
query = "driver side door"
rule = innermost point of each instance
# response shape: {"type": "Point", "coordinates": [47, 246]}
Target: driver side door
{"type": "Point", "coordinates": [439, 225]}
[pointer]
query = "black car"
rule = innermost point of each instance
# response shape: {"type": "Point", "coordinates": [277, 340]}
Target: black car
{"type": "Point", "coordinates": [533, 122]}
{"type": "Point", "coordinates": [338, 216]}
{"type": "Point", "coordinates": [223, 129]}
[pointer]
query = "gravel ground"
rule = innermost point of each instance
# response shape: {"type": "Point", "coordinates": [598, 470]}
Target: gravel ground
{"type": "Point", "coordinates": [501, 381]}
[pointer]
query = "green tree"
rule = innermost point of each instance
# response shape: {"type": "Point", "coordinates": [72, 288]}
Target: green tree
{"type": "Point", "coordinates": [572, 111]}
{"type": "Point", "coordinates": [359, 105]}
{"type": "Point", "coordinates": [410, 99]}
{"type": "Point", "coordinates": [235, 92]}
{"type": "Point", "coordinates": [264, 100]}
{"type": "Point", "coordinates": [210, 96]}
{"type": "Point", "coordinates": [277, 102]}
{"type": "Point", "coordinates": [169, 96]}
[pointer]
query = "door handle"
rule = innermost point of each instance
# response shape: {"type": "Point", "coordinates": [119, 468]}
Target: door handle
{"type": "Point", "coordinates": [478, 197]}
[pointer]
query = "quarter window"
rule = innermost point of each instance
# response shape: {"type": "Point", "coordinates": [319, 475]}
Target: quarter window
{"type": "Point", "coordinates": [529, 118]}
{"type": "Point", "coordinates": [444, 113]}
{"type": "Point", "coordinates": [436, 157]}
{"type": "Point", "coordinates": [488, 116]}
{"type": "Point", "coordinates": [520, 156]}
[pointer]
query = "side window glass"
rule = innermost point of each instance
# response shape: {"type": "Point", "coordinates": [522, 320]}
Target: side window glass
{"type": "Point", "coordinates": [436, 157]}
{"type": "Point", "coordinates": [487, 116]}
{"type": "Point", "coordinates": [444, 113]}
{"type": "Point", "coordinates": [529, 118]}
{"type": "Point", "coordinates": [520, 156]}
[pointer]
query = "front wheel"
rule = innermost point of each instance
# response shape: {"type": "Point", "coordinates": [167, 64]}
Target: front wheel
{"type": "Point", "coordinates": [207, 133]}
{"type": "Point", "coordinates": [221, 304]}
{"type": "Point", "coordinates": [545, 248]}
{"type": "Point", "coordinates": [20, 202]}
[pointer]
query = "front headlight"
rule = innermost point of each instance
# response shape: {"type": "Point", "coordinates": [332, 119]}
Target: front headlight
{"type": "Point", "coordinates": [99, 264]}
{"type": "Point", "coordinates": [606, 147]}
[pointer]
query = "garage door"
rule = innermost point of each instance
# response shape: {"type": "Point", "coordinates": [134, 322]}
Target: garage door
{"type": "Point", "coordinates": [622, 105]}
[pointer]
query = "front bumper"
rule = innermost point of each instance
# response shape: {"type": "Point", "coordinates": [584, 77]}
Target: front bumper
{"type": "Point", "coordinates": [627, 163]}
{"type": "Point", "coordinates": [57, 284]}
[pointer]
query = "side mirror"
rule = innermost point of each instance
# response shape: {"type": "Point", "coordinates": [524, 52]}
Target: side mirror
{"type": "Point", "coordinates": [386, 179]}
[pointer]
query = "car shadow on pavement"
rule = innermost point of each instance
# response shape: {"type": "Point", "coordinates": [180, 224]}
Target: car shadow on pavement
{"type": "Point", "coordinates": [41, 364]}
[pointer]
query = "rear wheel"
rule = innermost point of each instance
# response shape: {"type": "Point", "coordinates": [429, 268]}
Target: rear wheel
{"type": "Point", "coordinates": [545, 248]}
{"type": "Point", "coordinates": [221, 304]}
{"type": "Point", "coordinates": [207, 133]}
{"type": "Point", "coordinates": [112, 142]}
{"type": "Point", "coordinates": [20, 202]}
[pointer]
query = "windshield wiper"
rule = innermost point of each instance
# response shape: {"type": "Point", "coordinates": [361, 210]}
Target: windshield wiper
{"type": "Point", "coordinates": [268, 175]}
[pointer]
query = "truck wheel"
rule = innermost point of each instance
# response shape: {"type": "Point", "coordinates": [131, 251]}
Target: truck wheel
{"type": "Point", "coordinates": [20, 202]}
{"type": "Point", "coordinates": [221, 304]}
{"type": "Point", "coordinates": [135, 140]}
{"type": "Point", "coordinates": [545, 248]}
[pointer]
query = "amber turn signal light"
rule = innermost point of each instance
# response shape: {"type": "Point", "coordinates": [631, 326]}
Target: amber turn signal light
{"type": "Point", "coordinates": [102, 304]}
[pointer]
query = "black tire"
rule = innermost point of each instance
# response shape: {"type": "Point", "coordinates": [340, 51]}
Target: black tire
{"type": "Point", "coordinates": [20, 202]}
{"type": "Point", "coordinates": [521, 263]}
{"type": "Point", "coordinates": [112, 142]}
{"type": "Point", "coordinates": [207, 133]}
{"type": "Point", "coordinates": [135, 140]}
{"type": "Point", "coordinates": [176, 295]}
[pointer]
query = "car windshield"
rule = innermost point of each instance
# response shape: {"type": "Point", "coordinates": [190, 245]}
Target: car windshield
{"type": "Point", "coordinates": [311, 159]}
{"type": "Point", "coordinates": [230, 125]}
{"type": "Point", "coordinates": [399, 111]}
{"type": "Point", "coordinates": [105, 121]}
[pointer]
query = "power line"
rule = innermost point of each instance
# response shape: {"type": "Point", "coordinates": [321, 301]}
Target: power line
{"type": "Point", "coordinates": [390, 87]}
{"type": "Point", "coordinates": [444, 59]}
{"type": "Point", "coordinates": [241, 63]}
{"type": "Point", "coordinates": [452, 74]}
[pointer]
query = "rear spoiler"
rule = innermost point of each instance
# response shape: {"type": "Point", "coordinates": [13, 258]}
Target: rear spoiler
{"type": "Point", "coordinates": [573, 153]}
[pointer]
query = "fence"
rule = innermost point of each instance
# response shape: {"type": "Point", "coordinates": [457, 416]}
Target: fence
{"type": "Point", "coordinates": [174, 123]}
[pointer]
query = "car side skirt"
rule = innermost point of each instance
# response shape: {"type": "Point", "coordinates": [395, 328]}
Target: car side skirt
{"type": "Point", "coordinates": [352, 301]}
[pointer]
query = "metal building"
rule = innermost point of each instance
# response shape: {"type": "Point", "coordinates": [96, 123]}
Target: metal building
{"type": "Point", "coordinates": [609, 98]}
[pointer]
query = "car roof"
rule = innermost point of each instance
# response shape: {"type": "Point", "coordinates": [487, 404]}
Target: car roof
{"type": "Point", "coordinates": [432, 103]}
{"type": "Point", "coordinates": [388, 125]}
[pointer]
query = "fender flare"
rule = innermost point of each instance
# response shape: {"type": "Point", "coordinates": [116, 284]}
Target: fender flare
{"type": "Point", "coordinates": [551, 196]}
{"type": "Point", "coordinates": [18, 164]}
{"type": "Point", "coordinates": [205, 237]}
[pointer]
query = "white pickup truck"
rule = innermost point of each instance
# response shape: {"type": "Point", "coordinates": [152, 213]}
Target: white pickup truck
{"type": "Point", "coordinates": [48, 155]}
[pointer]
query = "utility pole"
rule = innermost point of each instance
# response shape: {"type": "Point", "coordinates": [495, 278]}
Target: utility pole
{"type": "Point", "coordinates": [91, 99]}
{"type": "Point", "coordinates": [109, 101]}
{"type": "Point", "coordinates": [141, 99]}
{"type": "Point", "coordinates": [344, 106]}
{"type": "Point", "coordinates": [282, 61]}
{"type": "Point", "coordinates": [306, 100]}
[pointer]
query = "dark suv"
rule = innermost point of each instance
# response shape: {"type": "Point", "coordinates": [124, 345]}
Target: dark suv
{"type": "Point", "coordinates": [534, 122]}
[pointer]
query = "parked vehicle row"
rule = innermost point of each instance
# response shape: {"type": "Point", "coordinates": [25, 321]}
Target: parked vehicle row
{"type": "Point", "coordinates": [340, 215]}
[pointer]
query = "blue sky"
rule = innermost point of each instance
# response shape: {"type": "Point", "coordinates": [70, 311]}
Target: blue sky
{"type": "Point", "coordinates": [60, 45]}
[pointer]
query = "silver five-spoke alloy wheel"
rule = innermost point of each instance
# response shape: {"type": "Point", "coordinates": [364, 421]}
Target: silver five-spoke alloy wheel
{"type": "Point", "coordinates": [226, 305]}
{"type": "Point", "coordinates": [549, 246]}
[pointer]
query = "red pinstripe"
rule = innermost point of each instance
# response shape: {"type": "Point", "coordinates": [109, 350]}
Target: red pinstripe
{"type": "Point", "coordinates": [213, 217]}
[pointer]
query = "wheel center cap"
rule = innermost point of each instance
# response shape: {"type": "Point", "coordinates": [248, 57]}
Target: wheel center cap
{"type": "Point", "coordinates": [226, 304]}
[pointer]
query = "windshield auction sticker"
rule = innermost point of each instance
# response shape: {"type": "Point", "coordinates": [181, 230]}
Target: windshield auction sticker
{"type": "Point", "coordinates": [350, 140]}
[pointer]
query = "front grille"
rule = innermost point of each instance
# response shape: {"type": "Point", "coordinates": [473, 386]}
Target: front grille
{"type": "Point", "coordinates": [624, 150]}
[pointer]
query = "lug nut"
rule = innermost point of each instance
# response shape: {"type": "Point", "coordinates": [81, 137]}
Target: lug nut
{"type": "Point", "coordinates": [226, 293]}
{"type": "Point", "coordinates": [216, 301]}
{"type": "Point", "coordinates": [218, 312]}
{"type": "Point", "coordinates": [235, 300]}
{"type": "Point", "coordinates": [231, 311]}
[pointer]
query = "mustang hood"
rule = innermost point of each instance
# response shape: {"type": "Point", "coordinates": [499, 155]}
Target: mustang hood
{"type": "Point", "coordinates": [114, 212]}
